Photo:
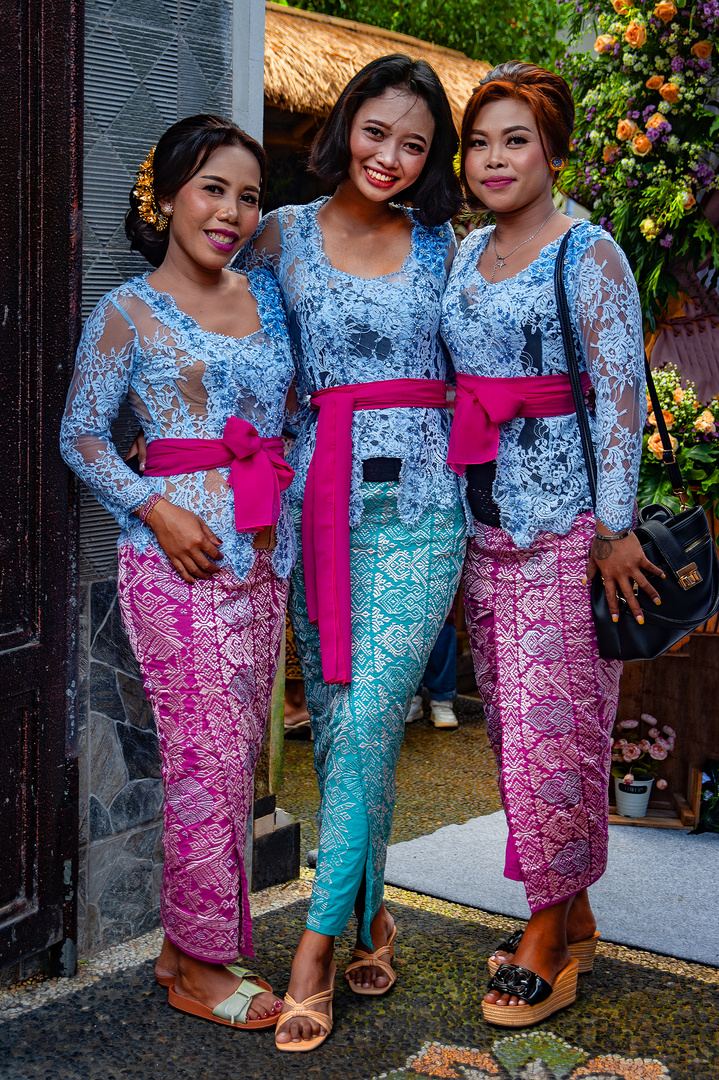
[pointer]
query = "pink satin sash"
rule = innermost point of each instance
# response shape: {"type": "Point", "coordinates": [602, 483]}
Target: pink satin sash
{"type": "Point", "coordinates": [258, 470]}
{"type": "Point", "coordinates": [325, 510]}
{"type": "Point", "coordinates": [483, 403]}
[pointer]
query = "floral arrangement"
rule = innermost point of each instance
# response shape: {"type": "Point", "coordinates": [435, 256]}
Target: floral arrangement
{"type": "Point", "coordinates": [692, 428]}
{"type": "Point", "coordinates": [634, 755]}
{"type": "Point", "coordinates": [647, 132]}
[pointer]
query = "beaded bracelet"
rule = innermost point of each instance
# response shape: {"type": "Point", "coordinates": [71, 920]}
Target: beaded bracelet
{"type": "Point", "coordinates": [146, 509]}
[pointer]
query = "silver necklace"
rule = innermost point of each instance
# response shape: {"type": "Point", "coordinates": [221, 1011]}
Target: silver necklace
{"type": "Point", "coordinates": [500, 260]}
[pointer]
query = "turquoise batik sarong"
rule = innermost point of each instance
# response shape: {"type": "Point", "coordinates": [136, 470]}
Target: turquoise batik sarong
{"type": "Point", "coordinates": [404, 580]}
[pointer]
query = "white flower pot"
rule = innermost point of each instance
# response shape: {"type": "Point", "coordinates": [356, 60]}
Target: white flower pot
{"type": "Point", "coordinates": [632, 799]}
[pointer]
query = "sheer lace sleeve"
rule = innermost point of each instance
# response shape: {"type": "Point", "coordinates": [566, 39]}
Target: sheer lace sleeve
{"type": "Point", "coordinates": [100, 382]}
{"type": "Point", "coordinates": [265, 247]}
{"type": "Point", "coordinates": [610, 321]}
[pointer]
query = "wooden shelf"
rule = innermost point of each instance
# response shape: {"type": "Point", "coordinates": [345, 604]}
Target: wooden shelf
{"type": "Point", "coordinates": [658, 817]}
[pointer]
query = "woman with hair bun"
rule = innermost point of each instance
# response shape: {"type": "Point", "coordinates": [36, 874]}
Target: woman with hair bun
{"type": "Point", "coordinates": [382, 527]}
{"type": "Point", "coordinates": [549, 699]}
{"type": "Point", "coordinates": [202, 355]}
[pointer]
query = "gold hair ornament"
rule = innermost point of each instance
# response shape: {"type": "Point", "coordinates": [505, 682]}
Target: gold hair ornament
{"type": "Point", "coordinates": [144, 192]}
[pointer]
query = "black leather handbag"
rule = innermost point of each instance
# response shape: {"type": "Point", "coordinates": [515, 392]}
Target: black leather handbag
{"type": "Point", "coordinates": [681, 544]}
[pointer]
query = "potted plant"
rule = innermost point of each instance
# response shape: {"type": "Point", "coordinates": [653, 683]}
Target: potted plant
{"type": "Point", "coordinates": [634, 758]}
{"type": "Point", "coordinates": [692, 428]}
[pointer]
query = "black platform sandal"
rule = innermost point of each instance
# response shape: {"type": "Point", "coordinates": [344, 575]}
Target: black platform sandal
{"type": "Point", "coordinates": [541, 997]}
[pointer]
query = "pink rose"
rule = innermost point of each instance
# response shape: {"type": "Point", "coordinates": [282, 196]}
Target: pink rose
{"type": "Point", "coordinates": [629, 778]}
{"type": "Point", "coordinates": [653, 733]}
{"type": "Point", "coordinates": [631, 752]}
{"type": "Point", "coordinates": [644, 745]}
{"type": "Point", "coordinates": [627, 724]}
{"type": "Point", "coordinates": [649, 719]}
{"type": "Point", "coordinates": [658, 753]}
{"type": "Point", "coordinates": [620, 743]}
{"type": "Point", "coordinates": [668, 730]}
{"type": "Point", "coordinates": [664, 743]}
{"type": "Point", "coordinates": [661, 784]}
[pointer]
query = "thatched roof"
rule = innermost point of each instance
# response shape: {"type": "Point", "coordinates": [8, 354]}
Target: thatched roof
{"type": "Point", "coordinates": [309, 58]}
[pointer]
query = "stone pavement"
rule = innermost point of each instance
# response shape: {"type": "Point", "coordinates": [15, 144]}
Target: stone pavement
{"type": "Point", "coordinates": [640, 1016]}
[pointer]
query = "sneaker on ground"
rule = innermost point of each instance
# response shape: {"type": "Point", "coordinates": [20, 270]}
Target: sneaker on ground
{"type": "Point", "coordinates": [442, 714]}
{"type": "Point", "coordinates": [416, 709]}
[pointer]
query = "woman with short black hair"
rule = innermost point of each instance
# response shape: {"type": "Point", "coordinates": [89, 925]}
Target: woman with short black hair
{"type": "Point", "coordinates": [383, 532]}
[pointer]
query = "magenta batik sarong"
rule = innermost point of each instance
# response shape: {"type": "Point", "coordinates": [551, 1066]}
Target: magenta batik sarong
{"type": "Point", "coordinates": [550, 703]}
{"type": "Point", "coordinates": [208, 654]}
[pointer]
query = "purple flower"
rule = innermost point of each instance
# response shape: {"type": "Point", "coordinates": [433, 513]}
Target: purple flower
{"type": "Point", "coordinates": [649, 111]}
{"type": "Point", "coordinates": [677, 63]}
{"type": "Point", "coordinates": [667, 240]}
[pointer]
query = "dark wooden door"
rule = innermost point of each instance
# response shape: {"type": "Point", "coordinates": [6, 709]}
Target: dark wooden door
{"type": "Point", "coordinates": [40, 155]}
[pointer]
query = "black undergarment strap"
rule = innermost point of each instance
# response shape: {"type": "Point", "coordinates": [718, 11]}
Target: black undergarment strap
{"type": "Point", "coordinates": [479, 493]}
{"type": "Point", "coordinates": [381, 470]}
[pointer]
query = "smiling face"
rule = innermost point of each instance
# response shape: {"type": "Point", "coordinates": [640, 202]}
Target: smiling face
{"type": "Point", "coordinates": [505, 164]}
{"type": "Point", "coordinates": [217, 210]}
{"type": "Point", "coordinates": [389, 142]}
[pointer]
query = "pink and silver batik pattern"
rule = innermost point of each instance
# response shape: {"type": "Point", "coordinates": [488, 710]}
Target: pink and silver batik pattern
{"type": "Point", "coordinates": [208, 654]}
{"type": "Point", "coordinates": [550, 703]}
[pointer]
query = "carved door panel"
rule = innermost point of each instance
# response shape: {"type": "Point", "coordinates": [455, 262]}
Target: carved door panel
{"type": "Point", "coordinates": [40, 154]}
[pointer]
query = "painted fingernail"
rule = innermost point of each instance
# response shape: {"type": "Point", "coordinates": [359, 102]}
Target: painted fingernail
{"type": "Point", "coordinates": [657, 600]}
{"type": "Point", "coordinates": [584, 581]}
{"type": "Point", "coordinates": [640, 620]}
{"type": "Point", "coordinates": [664, 575]}
{"type": "Point", "coordinates": [615, 618]}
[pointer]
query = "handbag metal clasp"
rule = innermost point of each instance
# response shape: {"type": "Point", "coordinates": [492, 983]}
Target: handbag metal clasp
{"type": "Point", "coordinates": [689, 576]}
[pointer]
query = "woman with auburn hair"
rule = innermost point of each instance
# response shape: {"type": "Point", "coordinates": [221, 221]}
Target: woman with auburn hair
{"type": "Point", "coordinates": [382, 528]}
{"type": "Point", "coordinates": [207, 544]}
{"type": "Point", "coordinates": [549, 699]}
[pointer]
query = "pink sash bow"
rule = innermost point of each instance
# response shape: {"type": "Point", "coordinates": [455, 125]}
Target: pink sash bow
{"type": "Point", "coordinates": [325, 509]}
{"type": "Point", "coordinates": [483, 403]}
{"type": "Point", "coordinates": [258, 470]}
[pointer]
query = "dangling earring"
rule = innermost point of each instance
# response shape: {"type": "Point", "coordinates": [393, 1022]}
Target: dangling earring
{"type": "Point", "coordinates": [557, 163]}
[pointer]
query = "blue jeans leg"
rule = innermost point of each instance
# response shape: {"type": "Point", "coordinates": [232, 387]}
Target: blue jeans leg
{"type": "Point", "coordinates": [440, 676]}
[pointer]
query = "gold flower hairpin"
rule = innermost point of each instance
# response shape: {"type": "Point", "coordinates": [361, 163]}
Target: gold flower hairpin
{"type": "Point", "coordinates": [144, 192]}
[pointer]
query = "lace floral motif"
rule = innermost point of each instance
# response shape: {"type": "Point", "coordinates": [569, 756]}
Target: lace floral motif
{"type": "Point", "coordinates": [347, 329]}
{"type": "Point", "coordinates": [182, 383]}
{"type": "Point", "coordinates": [511, 329]}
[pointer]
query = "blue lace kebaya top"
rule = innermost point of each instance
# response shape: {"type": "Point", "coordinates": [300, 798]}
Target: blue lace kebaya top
{"type": "Point", "coordinates": [511, 328]}
{"type": "Point", "coordinates": [347, 330]}
{"type": "Point", "coordinates": [182, 382]}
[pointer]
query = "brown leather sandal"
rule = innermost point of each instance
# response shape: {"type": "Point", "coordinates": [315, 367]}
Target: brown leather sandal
{"type": "Point", "coordinates": [302, 1008]}
{"type": "Point", "coordinates": [361, 958]}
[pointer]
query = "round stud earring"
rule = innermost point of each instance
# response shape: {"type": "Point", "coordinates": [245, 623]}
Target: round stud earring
{"type": "Point", "coordinates": [167, 209]}
{"type": "Point", "coordinates": [557, 163]}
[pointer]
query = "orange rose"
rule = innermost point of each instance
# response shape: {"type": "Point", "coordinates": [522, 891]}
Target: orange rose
{"type": "Point", "coordinates": [626, 129]}
{"type": "Point", "coordinates": [679, 395]}
{"type": "Point", "coordinates": [621, 6]}
{"type": "Point", "coordinates": [705, 423]}
{"type": "Point", "coordinates": [635, 34]}
{"type": "Point", "coordinates": [668, 419]}
{"type": "Point", "coordinates": [702, 50]}
{"type": "Point", "coordinates": [655, 445]}
{"type": "Point", "coordinates": [656, 119]}
{"type": "Point", "coordinates": [641, 145]}
{"type": "Point", "coordinates": [604, 43]}
{"type": "Point", "coordinates": [688, 201]}
{"type": "Point", "coordinates": [666, 10]}
{"type": "Point", "coordinates": [655, 82]}
{"type": "Point", "coordinates": [609, 153]}
{"type": "Point", "coordinates": [670, 92]}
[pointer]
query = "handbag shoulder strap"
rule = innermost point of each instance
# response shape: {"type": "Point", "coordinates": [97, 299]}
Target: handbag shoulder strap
{"type": "Point", "coordinates": [570, 352]}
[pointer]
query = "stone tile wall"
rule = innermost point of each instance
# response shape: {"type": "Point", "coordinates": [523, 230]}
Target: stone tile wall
{"type": "Point", "coordinates": [120, 786]}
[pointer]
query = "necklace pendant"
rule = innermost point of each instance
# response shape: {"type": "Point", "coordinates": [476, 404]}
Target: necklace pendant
{"type": "Point", "coordinates": [500, 263]}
